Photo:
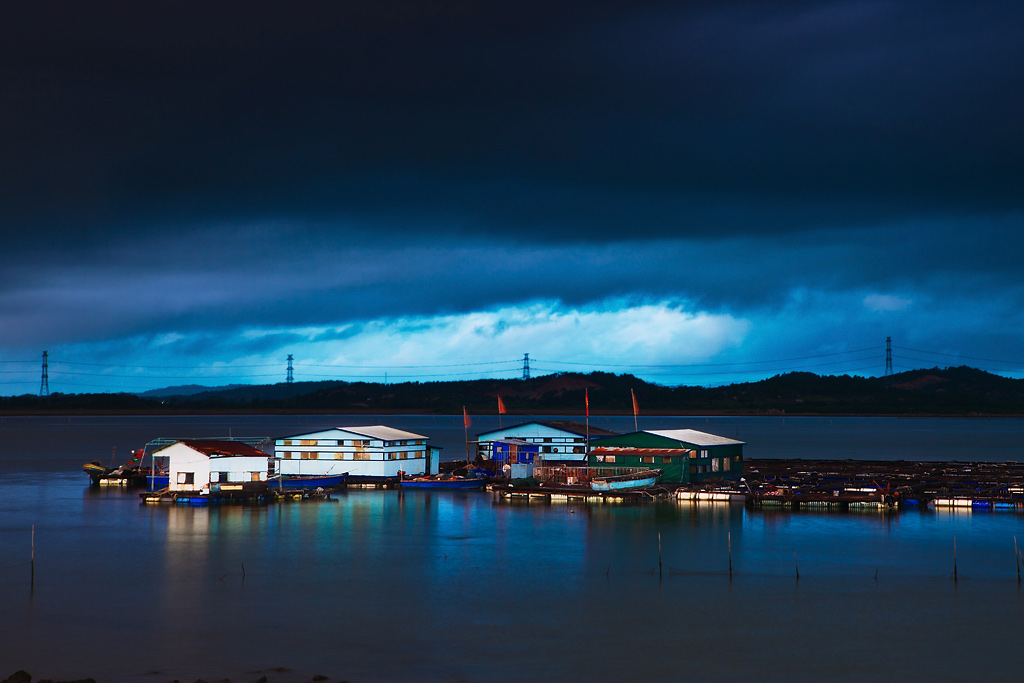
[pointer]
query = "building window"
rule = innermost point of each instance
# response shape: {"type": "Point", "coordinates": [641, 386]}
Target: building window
{"type": "Point", "coordinates": [287, 442]}
{"type": "Point", "coordinates": [693, 454]}
{"type": "Point", "coordinates": [704, 453]}
{"type": "Point", "coordinates": [725, 464]}
{"type": "Point", "coordinates": [339, 456]}
{"type": "Point", "coordinates": [648, 459]}
{"type": "Point", "coordinates": [577, 449]}
{"type": "Point", "coordinates": [715, 464]}
{"type": "Point", "coordinates": [606, 458]}
{"type": "Point", "coordinates": [665, 460]}
{"type": "Point", "coordinates": [361, 455]}
{"type": "Point", "coordinates": [186, 477]}
{"type": "Point", "coordinates": [308, 442]}
{"type": "Point", "coordinates": [287, 455]}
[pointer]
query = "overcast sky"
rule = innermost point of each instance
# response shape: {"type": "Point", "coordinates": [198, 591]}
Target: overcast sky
{"type": "Point", "coordinates": [694, 192]}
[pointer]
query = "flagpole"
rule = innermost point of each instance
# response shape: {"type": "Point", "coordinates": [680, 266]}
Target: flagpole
{"type": "Point", "coordinates": [586, 448]}
{"type": "Point", "coordinates": [465, 425]}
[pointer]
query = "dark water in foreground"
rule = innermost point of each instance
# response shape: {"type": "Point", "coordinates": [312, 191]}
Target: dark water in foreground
{"type": "Point", "coordinates": [457, 586]}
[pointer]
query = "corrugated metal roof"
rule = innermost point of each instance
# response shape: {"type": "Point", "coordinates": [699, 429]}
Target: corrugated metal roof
{"type": "Point", "coordinates": [372, 431]}
{"type": "Point", "coordinates": [568, 426]}
{"type": "Point", "coordinates": [626, 450]}
{"type": "Point", "coordinates": [578, 428]}
{"type": "Point", "coordinates": [223, 449]}
{"type": "Point", "coordinates": [383, 433]}
{"type": "Point", "coordinates": [694, 437]}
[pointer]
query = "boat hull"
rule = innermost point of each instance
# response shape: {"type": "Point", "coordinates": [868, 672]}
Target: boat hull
{"type": "Point", "coordinates": [625, 481]}
{"type": "Point", "coordinates": [451, 483]}
{"type": "Point", "coordinates": [298, 482]}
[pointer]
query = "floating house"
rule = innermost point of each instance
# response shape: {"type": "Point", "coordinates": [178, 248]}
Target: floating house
{"type": "Point", "coordinates": [207, 467]}
{"type": "Point", "coordinates": [560, 441]}
{"type": "Point", "coordinates": [372, 453]}
{"type": "Point", "coordinates": [683, 455]}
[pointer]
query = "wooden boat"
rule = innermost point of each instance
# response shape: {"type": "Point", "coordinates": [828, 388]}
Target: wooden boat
{"type": "Point", "coordinates": [620, 482]}
{"type": "Point", "coordinates": [444, 482]}
{"type": "Point", "coordinates": [308, 482]}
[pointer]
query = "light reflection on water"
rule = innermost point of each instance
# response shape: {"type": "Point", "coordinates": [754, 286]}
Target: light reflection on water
{"type": "Point", "coordinates": [458, 586]}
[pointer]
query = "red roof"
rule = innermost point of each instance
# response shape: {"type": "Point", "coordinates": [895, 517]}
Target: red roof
{"type": "Point", "coordinates": [623, 450]}
{"type": "Point", "coordinates": [215, 449]}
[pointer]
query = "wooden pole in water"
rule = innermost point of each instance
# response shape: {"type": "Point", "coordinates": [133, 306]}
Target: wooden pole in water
{"type": "Point", "coordinates": [33, 557]}
{"type": "Point", "coordinates": [955, 578]}
{"type": "Point", "coordinates": [1016, 557]}
{"type": "Point", "coordinates": [796, 566]}
{"type": "Point", "coordinates": [730, 556]}
{"type": "Point", "coordinates": [659, 554]}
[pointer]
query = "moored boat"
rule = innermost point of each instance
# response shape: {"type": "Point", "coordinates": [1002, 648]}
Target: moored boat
{"type": "Point", "coordinates": [444, 482]}
{"type": "Point", "coordinates": [620, 482]}
{"type": "Point", "coordinates": [129, 474]}
{"type": "Point", "coordinates": [308, 482]}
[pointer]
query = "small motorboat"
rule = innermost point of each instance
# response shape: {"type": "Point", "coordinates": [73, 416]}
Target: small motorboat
{"type": "Point", "coordinates": [308, 482]}
{"type": "Point", "coordinates": [443, 481]}
{"type": "Point", "coordinates": [621, 482]}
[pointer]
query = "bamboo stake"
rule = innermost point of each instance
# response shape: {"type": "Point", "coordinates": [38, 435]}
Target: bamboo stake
{"type": "Point", "coordinates": [659, 554]}
{"type": "Point", "coordinates": [955, 577]}
{"type": "Point", "coordinates": [1016, 557]}
{"type": "Point", "coordinates": [730, 556]}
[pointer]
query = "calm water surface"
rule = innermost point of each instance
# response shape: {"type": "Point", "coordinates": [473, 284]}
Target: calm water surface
{"type": "Point", "coordinates": [458, 586]}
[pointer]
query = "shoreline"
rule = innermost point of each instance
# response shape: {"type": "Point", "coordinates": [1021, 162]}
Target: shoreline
{"type": "Point", "coordinates": [530, 415]}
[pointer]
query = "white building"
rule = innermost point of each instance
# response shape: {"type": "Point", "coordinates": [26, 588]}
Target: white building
{"type": "Point", "coordinates": [212, 466]}
{"type": "Point", "coordinates": [559, 440]}
{"type": "Point", "coordinates": [370, 452]}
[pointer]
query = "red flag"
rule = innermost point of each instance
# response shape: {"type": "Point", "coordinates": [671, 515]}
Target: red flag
{"type": "Point", "coordinates": [586, 400]}
{"type": "Point", "coordinates": [636, 410]}
{"type": "Point", "coordinates": [465, 417]}
{"type": "Point", "coordinates": [501, 406]}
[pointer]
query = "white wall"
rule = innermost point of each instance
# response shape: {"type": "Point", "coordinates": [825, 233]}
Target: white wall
{"type": "Point", "coordinates": [182, 459]}
{"type": "Point", "coordinates": [326, 456]}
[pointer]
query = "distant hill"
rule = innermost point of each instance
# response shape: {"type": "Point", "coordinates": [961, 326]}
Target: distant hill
{"type": "Point", "coordinates": [947, 391]}
{"type": "Point", "coordinates": [186, 390]}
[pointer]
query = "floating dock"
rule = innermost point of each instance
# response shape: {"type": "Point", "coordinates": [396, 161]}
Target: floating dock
{"type": "Point", "coordinates": [880, 484]}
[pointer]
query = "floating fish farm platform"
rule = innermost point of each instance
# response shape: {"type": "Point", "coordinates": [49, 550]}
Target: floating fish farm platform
{"type": "Point", "coordinates": [867, 484]}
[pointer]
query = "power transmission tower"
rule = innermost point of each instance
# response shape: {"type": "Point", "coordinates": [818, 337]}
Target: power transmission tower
{"type": "Point", "coordinates": [290, 377]}
{"type": "Point", "coordinates": [888, 356]}
{"type": "Point", "coordinates": [526, 366]}
{"type": "Point", "coordinates": [44, 385]}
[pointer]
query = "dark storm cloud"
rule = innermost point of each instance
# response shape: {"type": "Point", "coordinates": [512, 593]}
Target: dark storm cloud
{"type": "Point", "coordinates": [173, 174]}
{"type": "Point", "coordinates": [554, 120]}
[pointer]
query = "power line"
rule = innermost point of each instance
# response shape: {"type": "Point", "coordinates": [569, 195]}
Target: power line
{"type": "Point", "coordinates": [692, 365]}
{"type": "Point", "coordinates": [405, 367]}
{"type": "Point", "coordinates": [951, 355]}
